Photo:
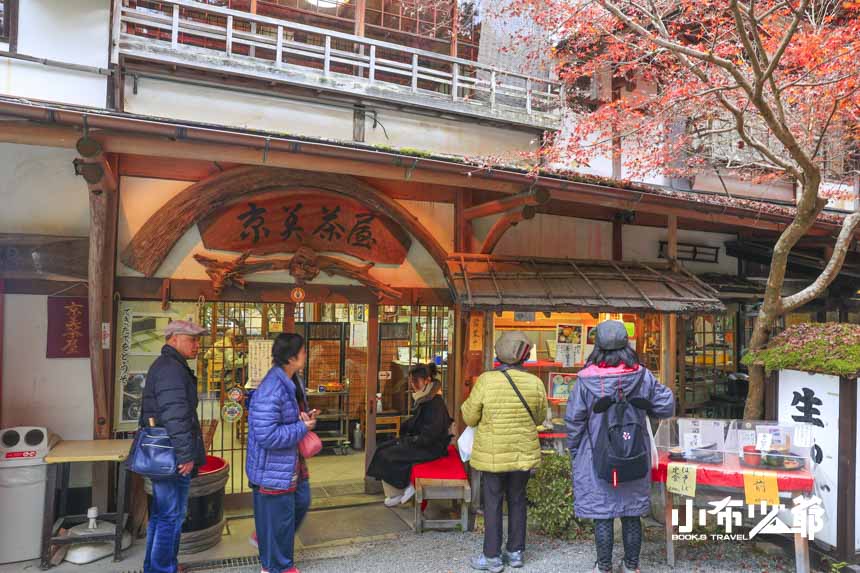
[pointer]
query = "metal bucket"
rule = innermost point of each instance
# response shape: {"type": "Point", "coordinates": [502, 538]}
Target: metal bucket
{"type": "Point", "coordinates": [204, 520]}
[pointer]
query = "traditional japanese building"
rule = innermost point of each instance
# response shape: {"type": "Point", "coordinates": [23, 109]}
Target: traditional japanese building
{"type": "Point", "coordinates": [351, 170]}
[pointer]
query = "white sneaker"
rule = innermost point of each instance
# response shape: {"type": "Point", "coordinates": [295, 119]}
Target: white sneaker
{"type": "Point", "coordinates": [407, 494]}
{"type": "Point", "coordinates": [392, 501]}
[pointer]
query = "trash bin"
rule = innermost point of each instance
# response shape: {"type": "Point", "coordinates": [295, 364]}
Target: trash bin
{"type": "Point", "coordinates": [23, 475]}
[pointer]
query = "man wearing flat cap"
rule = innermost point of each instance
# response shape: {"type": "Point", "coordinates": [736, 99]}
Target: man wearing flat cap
{"type": "Point", "coordinates": [170, 398]}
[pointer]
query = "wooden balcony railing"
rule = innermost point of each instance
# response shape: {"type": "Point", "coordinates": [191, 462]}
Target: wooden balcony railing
{"type": "Point", "coordinates": [177, 31]}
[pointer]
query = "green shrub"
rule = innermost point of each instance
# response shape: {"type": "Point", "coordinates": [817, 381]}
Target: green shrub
{"type": "Point", "coordinates": [550, 496]}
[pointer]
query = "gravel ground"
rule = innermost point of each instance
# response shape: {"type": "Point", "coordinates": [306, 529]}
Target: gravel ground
{"type": "Point", "coordinates": [449, 552]}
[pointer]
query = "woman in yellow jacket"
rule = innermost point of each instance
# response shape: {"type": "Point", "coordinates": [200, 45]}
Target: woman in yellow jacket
{"type": "Point", "coordinates": [505, 407]}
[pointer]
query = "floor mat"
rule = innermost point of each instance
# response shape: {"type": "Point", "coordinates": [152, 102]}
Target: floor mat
{"type": "Point", "coordinates": [332, 525]}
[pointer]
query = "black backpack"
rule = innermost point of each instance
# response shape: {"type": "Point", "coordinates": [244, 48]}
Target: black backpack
{"type": "Point", "coordinates": [621, 452]}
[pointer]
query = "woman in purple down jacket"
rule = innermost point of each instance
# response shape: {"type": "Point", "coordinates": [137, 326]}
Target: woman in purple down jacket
{"type": "Point", "coordinates": [277, 421]}
{"type": "Point", "coordinates": [613, 366]}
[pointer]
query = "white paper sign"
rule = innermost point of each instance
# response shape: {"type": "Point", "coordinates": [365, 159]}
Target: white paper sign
{"type": "Point", "coordinates": [259, 360]}
{"type": "Point", "coordinates": [803, 436]}
{"type": "Point", "coordinates": [564, 354]}
{"type": "Point", "coordinates": [692, 441]}
{"type": "Point", "coordinates": [358, 335]}
{"type": "Point", "coordinates": [763, 441]}
{"type": "Point", "coordinates": [746, 438]}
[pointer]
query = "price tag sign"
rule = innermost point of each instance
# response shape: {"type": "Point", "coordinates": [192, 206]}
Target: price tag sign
{"type": "Point", "coordinates": [761, 486]}
{"type": "Point", "coordinates": [803, 436]}
{"type": "Point", "coordinates": [763, 441]}
{"type": "Point", "coordinates": [692, 440]}
{"type": "Point", "coordinates": [746, 438]}
{"type": "Point", "coordinates": [681, 479]}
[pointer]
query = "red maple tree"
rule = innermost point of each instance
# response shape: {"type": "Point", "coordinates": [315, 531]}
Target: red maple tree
{"type": "Point", "coordinates": [769, 88]}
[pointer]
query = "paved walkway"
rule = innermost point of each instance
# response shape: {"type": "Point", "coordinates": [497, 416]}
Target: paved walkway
{"type": "Point", "coordinates": [448, 552]}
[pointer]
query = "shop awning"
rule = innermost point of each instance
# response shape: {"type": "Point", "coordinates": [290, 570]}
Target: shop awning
{"type": "Point", "coordinates": [486, 282]}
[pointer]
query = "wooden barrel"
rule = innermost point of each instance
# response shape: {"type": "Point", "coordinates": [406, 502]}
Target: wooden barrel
{"type": "Point", "coordinates": [204, 520]}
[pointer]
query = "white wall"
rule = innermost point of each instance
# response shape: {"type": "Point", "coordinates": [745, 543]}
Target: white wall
{"type": "Point", "coordinates": [205, 104]}
{"type": "Point", "coordinates": [643, 244]}
{"type": "Point", "coordinates": [140, 198]}
{"type": "Point", "coordinates": [72, 31]}
{"type": "Point", "coordinates": [40, 193]}
{"type": "Point", "coordinates": [55, 393]}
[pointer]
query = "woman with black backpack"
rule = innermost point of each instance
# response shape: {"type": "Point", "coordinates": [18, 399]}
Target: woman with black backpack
{"type": "Point", "coordinates": [609, 442]}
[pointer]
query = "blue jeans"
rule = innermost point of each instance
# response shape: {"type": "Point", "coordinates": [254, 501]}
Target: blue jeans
{"type": "Point", "coordinates": [166, 515]}
{"type": "Point", "coordinates": [277, 518]}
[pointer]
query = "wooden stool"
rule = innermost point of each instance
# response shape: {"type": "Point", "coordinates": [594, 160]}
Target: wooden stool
{"type": "Point", "coordinates": [457, 490]}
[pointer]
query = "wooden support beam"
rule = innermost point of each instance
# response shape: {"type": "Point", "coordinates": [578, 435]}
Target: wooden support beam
{"type": "Point", "coordinates": [534, 196]}
{"type": "Point", "coordinates": [371, 385]}
{"type": "Point", "coordinates": [462, 227]}
{"type": "Point", "coordinates": [505, 222]}
{"type": "Point", "coordinates": [675, 338]}
{"type": "Point", "coordinates": [461, 327]}
{"type": "Point", "coordinates": [617, 241]}
{"type": "Point", "coordinates": [43, 257]}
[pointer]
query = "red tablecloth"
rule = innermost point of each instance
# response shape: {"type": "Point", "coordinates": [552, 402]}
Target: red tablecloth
{"type": "Point", "coordinates": [731, 474]}
{"type": "Point", "coordinates": [449, 467]}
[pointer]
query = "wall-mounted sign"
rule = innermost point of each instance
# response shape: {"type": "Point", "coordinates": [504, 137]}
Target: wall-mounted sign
{"type": "Point", "coordinates": [476, 332]}
{"type": "Point", "coordinates": [283, 222]}
{"type": "Point", "coordinates": [297, 295]}
{"type": "Point", "coordinates": [385, 374]}
{"type": "Point", "coordinates": [68, 328]}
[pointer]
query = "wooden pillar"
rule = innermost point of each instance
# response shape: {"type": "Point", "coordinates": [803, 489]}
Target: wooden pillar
{"type": "Point", "coordinates": [455, 28]}
{"type": "Point", "coordinates": [671, 366]}
{"type": "Point", "coordinates": [617, 244]}
{"type": "Point", "coordinates": [462, 226]}
{"type": "Point", "coordinates": [360, 17]}
{"type": "Point", "coordinates": [100, 282]}
{"type": "Point", "coordinates": [847, 469]}
{"type": "Point", "coordinates": [370, 390]}
{"type": "Point", "coordinates": [289, 324]}
{"type": "Point", "coordinates": [460, 334]}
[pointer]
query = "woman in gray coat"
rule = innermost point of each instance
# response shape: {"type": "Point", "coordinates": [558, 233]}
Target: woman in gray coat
{"type": "Point", "coordinates": [613, 367]}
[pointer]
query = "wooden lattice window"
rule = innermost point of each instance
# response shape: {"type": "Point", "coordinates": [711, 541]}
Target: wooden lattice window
{"type": "Point", "coordinates": [9, 23]}
{"type": "Point", "coordinates": [690, 252]}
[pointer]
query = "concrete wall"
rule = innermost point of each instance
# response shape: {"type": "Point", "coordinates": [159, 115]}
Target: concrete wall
{"type": "Point", "coordinates": [205, 104]}
{"type": "Point", "coordinates": [71, 31]}
{"type": "Point", "coordinates": [40, 192]}
{"type": "Point", "coordinates": [643, 244]}
{"type": "Point", "coordinates": [141, 198]}
{"type": "Point", "coordinates": [54, 393]}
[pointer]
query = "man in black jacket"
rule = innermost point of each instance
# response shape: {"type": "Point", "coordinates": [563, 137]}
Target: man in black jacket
{"type": "Point", "coordinates": [170, 398]}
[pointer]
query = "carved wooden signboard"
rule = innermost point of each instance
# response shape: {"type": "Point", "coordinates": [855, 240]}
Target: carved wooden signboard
{"type": "Point", "coordinates": [283, 222]}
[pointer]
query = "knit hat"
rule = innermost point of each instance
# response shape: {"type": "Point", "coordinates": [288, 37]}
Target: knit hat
{"type": "Point", "coordinates": [513, 347]}
{"type": "Point", "coordinates": [611, 335]}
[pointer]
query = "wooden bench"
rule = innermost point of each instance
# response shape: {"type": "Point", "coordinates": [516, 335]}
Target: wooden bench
{"type": "Point", "coordinates": [442, 479]}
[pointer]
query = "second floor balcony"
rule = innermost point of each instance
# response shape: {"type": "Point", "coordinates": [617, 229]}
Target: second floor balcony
{"type": "Point", "coordinates": [236, 43]}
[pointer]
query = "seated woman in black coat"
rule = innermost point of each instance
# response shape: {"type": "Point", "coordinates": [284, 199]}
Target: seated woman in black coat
{"type": "Point", "coordinates": [423, 438]}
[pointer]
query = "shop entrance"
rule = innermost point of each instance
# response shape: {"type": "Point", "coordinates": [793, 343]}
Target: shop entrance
{"type": "Point", "coordinates": [336, 375]}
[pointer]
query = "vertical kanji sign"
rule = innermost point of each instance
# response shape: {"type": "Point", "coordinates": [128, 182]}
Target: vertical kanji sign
{"type": "Point", "coordinates": [68, 328]}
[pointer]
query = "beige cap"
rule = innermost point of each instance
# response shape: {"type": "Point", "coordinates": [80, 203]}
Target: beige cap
{"type": "Point", "coordinates": [513, 347]}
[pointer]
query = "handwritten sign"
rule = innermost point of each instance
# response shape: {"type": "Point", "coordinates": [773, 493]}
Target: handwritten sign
{"type": "Point", "coordinates": [803, 437]}
{"type": "Point", "coordinates": [763, 441]}
{"type": "Point", "coordinates": [692, 440]}
{"type": "Point", "coordinates": [282, 222]}
{"type": "Point", "coordinates": [681, 479]}
{"type": "Point", "coordinates": [68, 328]}
{"type": "Point", "coordinates": [761, 486]}
{"type": "Point", "coordinates": [259, 360]}
{"type": "Point", "coordinates": [476, 332]}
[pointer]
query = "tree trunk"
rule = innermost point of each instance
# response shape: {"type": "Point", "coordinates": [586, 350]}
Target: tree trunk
{"type": "Point", "coordinates": [772, 307]}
